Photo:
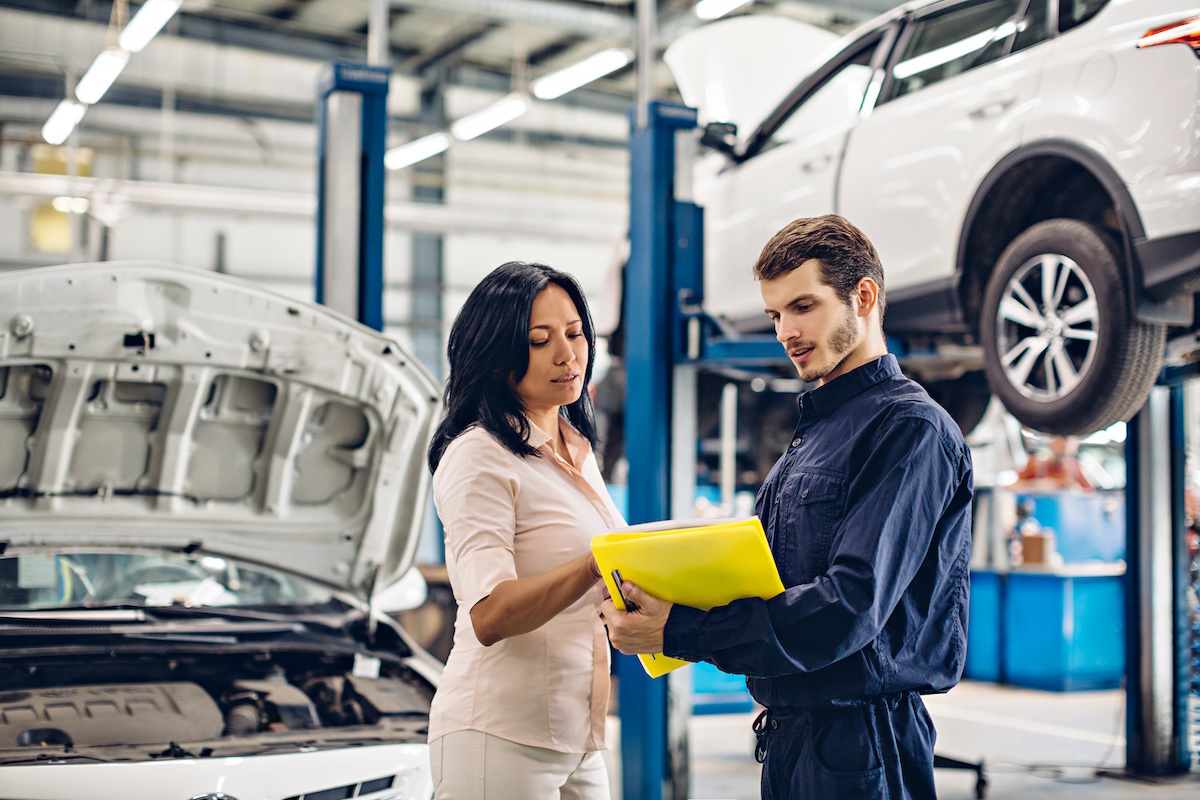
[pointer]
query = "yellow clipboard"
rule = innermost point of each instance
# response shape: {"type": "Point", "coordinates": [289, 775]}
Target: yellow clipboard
{"type": "Point", "coordinates": [697, 563]}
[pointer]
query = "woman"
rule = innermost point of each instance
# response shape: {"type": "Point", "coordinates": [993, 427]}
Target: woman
{"type": "Point", "coordinates": [520, 709]}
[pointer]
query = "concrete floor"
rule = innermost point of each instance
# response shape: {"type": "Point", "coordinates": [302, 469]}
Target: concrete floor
{"type": "Point", "coordinates": [1035, 745]}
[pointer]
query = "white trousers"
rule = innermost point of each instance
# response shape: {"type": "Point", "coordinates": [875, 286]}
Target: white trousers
{"type": "Point", "coordinates": [472, 765]}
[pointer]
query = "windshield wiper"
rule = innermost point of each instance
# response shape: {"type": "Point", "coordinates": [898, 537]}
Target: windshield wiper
{"type": "Point", "coordinates": [78, 615]}
{"type": "Point", "coordinates": [42, 758]}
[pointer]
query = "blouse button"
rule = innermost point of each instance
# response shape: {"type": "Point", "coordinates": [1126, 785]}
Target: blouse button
{"type": "Point", "coordinates": [796, 441]}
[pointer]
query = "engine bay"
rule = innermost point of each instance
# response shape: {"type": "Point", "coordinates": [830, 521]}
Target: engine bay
{"type": "Point", "coordinates": [203, 704]}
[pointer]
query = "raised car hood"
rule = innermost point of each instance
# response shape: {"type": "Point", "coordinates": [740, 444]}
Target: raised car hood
{"type": "Point", "coordinates": [739, 69]}
{"type": "Point", "coordinates": [146, 405]}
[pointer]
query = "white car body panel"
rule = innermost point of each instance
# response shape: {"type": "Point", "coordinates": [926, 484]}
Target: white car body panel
{"type": "Point", "coordinates": [263, 777]}
{"type": "Point", "coordinates": [797, 178]}
{"type": "Point", "coordinates": [897, 179]}
{"type": "Point", "coordinates": [255, 426]}
{"type": "Point", "coordinates": [1135, 108]}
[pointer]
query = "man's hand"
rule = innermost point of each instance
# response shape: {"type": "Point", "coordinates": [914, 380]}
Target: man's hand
{"type": "Point", "coordinates": [640, 631]}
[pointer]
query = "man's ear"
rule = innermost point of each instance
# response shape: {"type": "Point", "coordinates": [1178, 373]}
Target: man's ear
{"type": "Point", "coordinates": [867, 294]}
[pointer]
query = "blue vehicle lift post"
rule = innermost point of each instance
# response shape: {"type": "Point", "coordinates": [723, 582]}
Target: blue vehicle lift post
{"type": "Point", "coordinates": [352, 134]}
{"type": "Point", "coordinates": [1158, 672]}
{"type": "Point", "coordinates": [649, 761]}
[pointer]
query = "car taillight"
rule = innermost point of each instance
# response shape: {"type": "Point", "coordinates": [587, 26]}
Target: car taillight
{"type": "Point", "coordinates": [1183, 32]}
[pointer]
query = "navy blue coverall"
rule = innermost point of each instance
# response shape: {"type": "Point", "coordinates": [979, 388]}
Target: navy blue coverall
{"type": "Point", "coordinates": [868, 515]}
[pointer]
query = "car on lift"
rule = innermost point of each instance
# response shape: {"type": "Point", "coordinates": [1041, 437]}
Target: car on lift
{"type": "Point", "coordinates": [209, 496]}
{"type": "Point", "coordinates": [1029, 171]}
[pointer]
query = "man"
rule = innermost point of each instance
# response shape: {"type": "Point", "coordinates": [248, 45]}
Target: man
{"type": "Point", "coordinates": [868, 515]}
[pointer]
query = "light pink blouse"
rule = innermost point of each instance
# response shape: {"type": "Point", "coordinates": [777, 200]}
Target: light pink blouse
{"type": "Point", "coordinates": [510, 517]}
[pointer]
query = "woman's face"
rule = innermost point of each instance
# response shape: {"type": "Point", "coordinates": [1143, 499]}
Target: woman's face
{"type": "Point", "coordinates": [558, 354]}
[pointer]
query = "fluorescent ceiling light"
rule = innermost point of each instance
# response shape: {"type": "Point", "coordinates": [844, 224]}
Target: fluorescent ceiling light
{"type": "Point", "coordinates": [503, 110]}
{"type": "Point", "coordinates": [715, 9]}
{"type": "Point", "coordinates": [556, 84]}
{"type": "Point", "coordinates": [417, 150]}
{"type": "Point", "coordinates": [954, 51]}
{"type": "Point", "coordinates": [62, 121]}
{"type": "Point", "coordinates": [100, 75]}
{"type": "Point", "coordinates": [77, 205]}
{"type": "Point", "coordinates": [146, 23]}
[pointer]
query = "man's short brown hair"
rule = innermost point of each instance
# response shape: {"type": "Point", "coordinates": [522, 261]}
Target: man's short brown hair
{"type": "Point", "coordinates": [844, 253]}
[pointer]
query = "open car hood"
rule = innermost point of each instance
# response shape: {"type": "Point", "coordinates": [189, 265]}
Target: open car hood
{"type": "Point", "coordinates": [154, 406]}
{"type": "Point", "coordinates": [739, 69]}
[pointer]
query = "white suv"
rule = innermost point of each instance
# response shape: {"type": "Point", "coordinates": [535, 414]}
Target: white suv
{"type": "Point", "coordinates": [1029, 171]}
{"type": "Point", "coordinates": [208, 494]}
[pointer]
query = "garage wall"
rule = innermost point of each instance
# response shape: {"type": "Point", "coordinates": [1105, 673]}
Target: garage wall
{"type": "Point", "coordinates": [567, 182]}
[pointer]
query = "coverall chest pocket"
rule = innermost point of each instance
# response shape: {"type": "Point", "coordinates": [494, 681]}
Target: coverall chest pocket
{"type": "Point", "coordinates": [810, 506]}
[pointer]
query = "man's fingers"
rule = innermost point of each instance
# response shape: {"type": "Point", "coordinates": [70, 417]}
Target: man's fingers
{"type": "Point", "coordinates": [636, 595]}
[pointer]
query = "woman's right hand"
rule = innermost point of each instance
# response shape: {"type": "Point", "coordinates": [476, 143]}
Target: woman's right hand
{"type": "Point", "coordinates": [525, 604]}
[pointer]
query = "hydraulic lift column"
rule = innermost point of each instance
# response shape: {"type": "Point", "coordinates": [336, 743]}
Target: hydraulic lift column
{"type": "Point", "coordinates": [1157, 666]}
{"type": "Point", "coordinates": [352, 132]}
{"type": "Point", "coordinates": [662, 235]}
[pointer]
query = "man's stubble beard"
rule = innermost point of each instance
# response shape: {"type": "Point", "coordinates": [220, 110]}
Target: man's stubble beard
{"type": "Point", "coordinates": [842, 341]}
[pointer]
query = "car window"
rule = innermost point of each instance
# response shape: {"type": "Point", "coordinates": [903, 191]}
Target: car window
{"type": "Point", "coordinates": [836, 100]}
{"type": "Point", "coordinates": [943, 45]}
{"type": "Point", "coordinates": [1072, 13]}
{"type": "Point", "coordinates": [1036, 27]}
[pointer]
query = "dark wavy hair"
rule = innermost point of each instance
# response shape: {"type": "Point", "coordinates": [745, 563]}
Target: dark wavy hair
{"type": "Point", "coordinates": [489, 355]}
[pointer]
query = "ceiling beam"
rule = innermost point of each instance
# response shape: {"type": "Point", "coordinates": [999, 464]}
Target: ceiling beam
{"type": "Point", "coordinates": [444, 50]}
{"type": "Point", "coordinates": [542, 13]}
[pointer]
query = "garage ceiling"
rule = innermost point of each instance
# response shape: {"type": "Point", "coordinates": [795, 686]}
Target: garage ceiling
{"type": "Point", "coordinates": [492, 45]}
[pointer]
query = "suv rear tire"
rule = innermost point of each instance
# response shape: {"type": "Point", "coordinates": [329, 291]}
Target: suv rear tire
{"type": "Point", "coordinates": [1062, 351]}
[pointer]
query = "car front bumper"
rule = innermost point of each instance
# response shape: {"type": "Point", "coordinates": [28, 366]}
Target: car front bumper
{"type": "Point", "coordinates": [383, 772]}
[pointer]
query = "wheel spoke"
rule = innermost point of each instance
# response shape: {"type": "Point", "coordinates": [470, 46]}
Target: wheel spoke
{"type": "Point", "coordinates": [1061, 288]}
{"type": "Point", "coordinates": [1021, 294]}
{"type": "Point", "coordinates": [1025, 354]}
{"type": "Point", "coordinates": [1049, 267]}
{"type": "Point", "coordinates": [1015, 311]}
{"type": "Point", "coordinates": [1087, 311]}
{"type": "Point", "coordinates": [1067, 375]}
{"type": "Point", "coordinates": [1080, 333]}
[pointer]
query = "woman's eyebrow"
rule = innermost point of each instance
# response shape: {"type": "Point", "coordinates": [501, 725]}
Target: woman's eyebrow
{"type": "Point", "coordinates": [548, 327]}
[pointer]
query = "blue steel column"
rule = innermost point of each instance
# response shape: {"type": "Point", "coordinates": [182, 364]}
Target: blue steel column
{"type": "Point", "coordinates": [649, 313]}
{"type": "Point", "coordinates": [1156, 610]}
{"type": "Point", "coordinates": [371, 82]}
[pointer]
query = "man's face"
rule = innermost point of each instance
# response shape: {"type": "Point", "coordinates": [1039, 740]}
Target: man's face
{"type": "Point", "coordinates": [818, 329]}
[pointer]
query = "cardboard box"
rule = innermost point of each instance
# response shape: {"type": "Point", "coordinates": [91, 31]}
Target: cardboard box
{"type": "Point", "coordinates": [1037, 548]}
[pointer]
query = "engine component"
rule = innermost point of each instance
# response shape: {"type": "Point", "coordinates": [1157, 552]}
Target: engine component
{"type": "Point", "coordinates": [119, 714]}
{"type": "Point", "coordinates": [384, 697]}
{"type": "Point", "coordinates": [282, 702]}
{"type": "Point", "coordinates": [244, 718]}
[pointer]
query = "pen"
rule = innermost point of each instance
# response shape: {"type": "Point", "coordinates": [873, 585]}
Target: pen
{"type": "Point", "coordinates": [629, 606]}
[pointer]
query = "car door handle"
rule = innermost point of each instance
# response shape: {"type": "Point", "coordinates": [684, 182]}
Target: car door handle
{"type": "Point", "coordinates": [993, 107]}
{"type": "Point", "coordinates": [820, 162]}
